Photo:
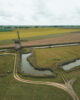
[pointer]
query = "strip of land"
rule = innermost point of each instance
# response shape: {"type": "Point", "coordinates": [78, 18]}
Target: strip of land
{"type": "Point", "coordinates": [71, 38]}
{"type": "Point", "coordinates": [56, 40]}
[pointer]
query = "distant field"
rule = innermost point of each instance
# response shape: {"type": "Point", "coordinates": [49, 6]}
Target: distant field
{"type": "Point", "coordinates": [34, 32]}
{"type": "Point", "coordinates": [5, 30]}
{"type": "Point", "coordinates": [51, 57]}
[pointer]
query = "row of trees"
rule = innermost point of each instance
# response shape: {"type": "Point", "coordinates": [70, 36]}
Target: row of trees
{"type": "Point", "coordinates": [12, 27]}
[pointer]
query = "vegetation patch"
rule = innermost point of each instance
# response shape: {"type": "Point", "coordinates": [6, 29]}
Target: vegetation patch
{"type": "Point", "coordinates": [12, 89]}
{"type": "Point", "coordinates": [6, 64]}
{"type": "Point", "coordinates": [52, 57]}
{"type": "Point", "coordinates": [5, 30]}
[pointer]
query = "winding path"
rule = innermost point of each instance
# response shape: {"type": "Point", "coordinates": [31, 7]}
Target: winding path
{"type": "Point", "coordinates": [66, 87]}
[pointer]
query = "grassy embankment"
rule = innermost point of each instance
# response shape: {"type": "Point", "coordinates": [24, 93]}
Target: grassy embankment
{"type": "Point", "coordinates": [51, 57]}
{"type": "Point", "coordinates": [10, 89]}
{"type": "Point", "coordinates": [30, 34]}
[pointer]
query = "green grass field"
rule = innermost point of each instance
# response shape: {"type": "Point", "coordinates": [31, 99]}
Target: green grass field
{"type": "Point", "coordinates": [5, 64]}
{"type": "Point", "coordinates": [10, 89]}
{"type": "Point", "coordinates": [51, 57]}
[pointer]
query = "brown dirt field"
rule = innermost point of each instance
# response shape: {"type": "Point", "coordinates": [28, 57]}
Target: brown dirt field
{"type": "Point", "coordinates": [56, 40]}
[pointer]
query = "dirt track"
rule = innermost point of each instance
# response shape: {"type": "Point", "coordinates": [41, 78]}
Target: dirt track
{"type": "Point", "coordinates": [66, 87]}
{"type": "Point", "coordinates": [56, 40]}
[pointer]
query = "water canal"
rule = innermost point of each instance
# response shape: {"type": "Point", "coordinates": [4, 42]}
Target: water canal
{"type": "Point", "coordinates": [28, 68]}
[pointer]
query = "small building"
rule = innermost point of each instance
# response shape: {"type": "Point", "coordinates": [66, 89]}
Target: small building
{"type": "Point", "coordinates": [17, 43]}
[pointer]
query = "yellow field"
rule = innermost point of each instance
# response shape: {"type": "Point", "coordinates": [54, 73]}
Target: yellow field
{"type": "Point", "coordinates": [33, 32]}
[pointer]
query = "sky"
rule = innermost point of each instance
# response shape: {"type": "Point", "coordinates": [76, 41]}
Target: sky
{"type": "Point", "coordinates": [39, 12]}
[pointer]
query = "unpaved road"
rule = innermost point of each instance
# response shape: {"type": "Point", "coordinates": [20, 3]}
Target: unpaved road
{"type": "Point", "coordinates": [66, 87]}
{"type": "Point", "coordinates": [70, 38]}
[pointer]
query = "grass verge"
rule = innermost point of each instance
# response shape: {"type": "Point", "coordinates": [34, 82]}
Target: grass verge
{"type": "Point", "coordinates": [10, 89]}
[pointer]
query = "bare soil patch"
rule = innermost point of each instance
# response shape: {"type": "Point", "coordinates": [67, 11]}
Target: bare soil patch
{"type": "Point", "coordinates": [56, 40]}
{"type": "Point", "coordinates": [70, 38]}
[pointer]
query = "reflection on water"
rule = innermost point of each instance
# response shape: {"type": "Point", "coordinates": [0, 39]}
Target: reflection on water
{"type": "Point", "coordinates": [57, 45]}
{"type": "Point", "coordinates": [3, 49]}
{"type": "Point", "coordinates": [71, 65]}
{"type": "Point", "coordinates": [28, 68]}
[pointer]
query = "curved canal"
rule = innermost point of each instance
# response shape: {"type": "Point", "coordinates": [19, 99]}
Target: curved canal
{"type": "Point", "coordinates": [28, 68]}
